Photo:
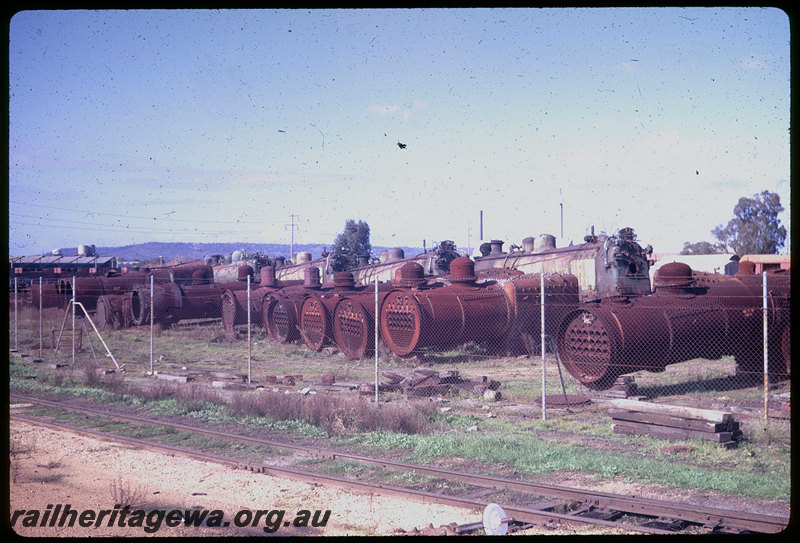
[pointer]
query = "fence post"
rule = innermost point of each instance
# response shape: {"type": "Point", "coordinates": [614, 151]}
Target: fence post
{"type": "Point", "coordinates": [74, 290]}
{"type": "Point", "coordinates": [766, 347]}
{"type": "Point", "coordinates": [541, 318]}
{"type": "Point", "coordinates": [152, 295]}
{"type": "Point", "coordinates": [15, 315]}
{"type": "Point", "coordinates": [41, 355]}
{"type": "Point", "coordinates": [377, 318]}
{"type": "Point", "coordinates": [249, 345]}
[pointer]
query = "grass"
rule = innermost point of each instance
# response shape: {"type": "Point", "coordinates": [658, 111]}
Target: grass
{"type": "Point", "coordinates": [522, 454]}
{"type": "Point", "coordinates": [579, 440]}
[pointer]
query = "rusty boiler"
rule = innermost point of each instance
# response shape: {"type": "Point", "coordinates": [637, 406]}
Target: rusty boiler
{"type": "Point", "coordinates": [417, 316]}
{"type": "Point", "coordinates": [166, 305]}
{"type": "Point", "coordinates": [604, 265]}
{"type": "Point", "coordinates": [296, 270]}
{"type": "Point", "coordinates": [435, 262]}
{"type": "Point", "coordinates": [88, 289]}
{"type": "Point", "coordinates": [354, 320]}
{"type": "Point", "coordinates": [318, 306]}
{"type": "Point", "coordinates": [680, 321]}
{"type": "Point", "coordinates": [233, 298]}
{"type": "Point", "coordinates": [524, 294]}
{"type": "Point", "coordinates": [281, 308]}
{"type": "Point", "coordinates": [114, 311]}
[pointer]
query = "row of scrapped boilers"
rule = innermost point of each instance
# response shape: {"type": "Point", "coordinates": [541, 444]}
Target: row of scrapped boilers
{"type": "Point", "coordinates": [307, 309]}
{"type": "Point", "coordinates": [504, 314]}
{"type": "Point", "coordinates": [604, 265]}
{"type": "Point", "coordinates": [685, 318]}
{"type": "Point", "coordinates": [172, 301]}
{"type": "Point", "coordinates": [122, 298]}
{"type": "Point", "coordinates": [88, 289]}
{"type": "Point", "coordinates": [417, 313]}
{"type": "Point", "coordinates": [435, 262]}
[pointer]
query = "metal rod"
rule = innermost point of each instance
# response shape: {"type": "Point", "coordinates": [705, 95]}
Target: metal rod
{"type": "Point", "coordinates": [108, 351]}
{"type": "Point", "coordinates": [541, 317]}
{"type": "Point", "coordinates": [15, 314]}
{"type": "Point", "coordinates": [377, 317]}
{"type": "Point", "coordinates": [152, 369]}
{"type": "Point", "coordinates": [73, 320]}
{"type": "Point", "coordinates": [89, 339]}
{"type": "Point", "coordinates": [558, 365]}
{"type": "Point", "coordinates": [249, 344]}
{"type": "Point", "coordinates": [766, 349]}
{"type": "Point", "coordinates": [40, 319]}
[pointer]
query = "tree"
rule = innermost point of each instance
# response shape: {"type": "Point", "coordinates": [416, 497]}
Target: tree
{"type": "Point", "coordinates": [702, 248]}
{"type": "Point", "coordinates": [755, 227]}
{"type": "Point", "coordinates": [348, 245]}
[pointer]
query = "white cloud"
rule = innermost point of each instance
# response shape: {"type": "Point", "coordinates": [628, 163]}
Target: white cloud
{"type": "Point", "coordinates": [384, 110]}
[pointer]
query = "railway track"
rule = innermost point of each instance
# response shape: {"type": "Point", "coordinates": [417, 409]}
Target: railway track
{"type": "Point", "coordinates": [526, 502]}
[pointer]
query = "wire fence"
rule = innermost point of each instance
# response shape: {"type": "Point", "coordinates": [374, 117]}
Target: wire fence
{"type": "Point", "coordinates": [710, 338]}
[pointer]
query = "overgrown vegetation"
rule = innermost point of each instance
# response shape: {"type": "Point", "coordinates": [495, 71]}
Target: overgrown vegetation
{"type": "Point", "coordinates": [457, 430]}
{"type": "Point", "coordinates": [337, 416]}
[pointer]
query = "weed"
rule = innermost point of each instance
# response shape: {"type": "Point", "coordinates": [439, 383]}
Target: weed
{"type": "Point", "coordinates": [115, 382]}
{"type": "Point", "coordinates": [125, 494]}
{"type": "Point", "coordinates": [770, 433]}
{"type": "Point", "coordinates": [52, 464]}
{"type": "Point", "coordinates": [91, 374]}
{"type": "Point", "coordinates": [337, 416]}
{"type": "Point", "coordinates": [19, 447]}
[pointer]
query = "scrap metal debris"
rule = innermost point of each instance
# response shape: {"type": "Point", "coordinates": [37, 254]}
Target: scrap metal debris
{"type": "Point", "coordinates": [426, 382]}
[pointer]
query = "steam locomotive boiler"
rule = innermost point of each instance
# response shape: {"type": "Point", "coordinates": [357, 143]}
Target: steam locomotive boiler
{"type": "Point", "coordinates": [434, 262]}
{"type": "Point", "coordinates": [234, 300]}
{"type": "Point", "coordinates": [505, 315]}
{"type": "Point", "coordinates": [680, 321]}
{"type": "Point", "coordinates": [604, 265]}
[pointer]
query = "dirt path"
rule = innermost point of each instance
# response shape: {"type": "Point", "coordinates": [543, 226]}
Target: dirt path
{"type": "Point", "coordinates": [51, 468]}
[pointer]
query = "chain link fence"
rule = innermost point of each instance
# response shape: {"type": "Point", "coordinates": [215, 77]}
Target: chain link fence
{"type": "Point", "coordinates": [704, 339]}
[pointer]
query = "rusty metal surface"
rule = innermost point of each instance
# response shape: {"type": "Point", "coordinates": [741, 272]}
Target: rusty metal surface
{"type": "Point", "coordinates": [524, 297]}
{"type": "Point", "coordinates": [354, 321]}
{"type": "Point", "coordinates": [437, 316]}
{"type": "Point", "coordinates": [316, 323]}
{"type": "Point", "coordinates": [280, 313]}
{"type": "Point", "coordinates": [234, 306]}
{"type": "Point", "coordinates": [435, 262]}
{"type": "Point", "coordinates": [50, 296]}
{"type": "Point", "coordinates": [604, 265]}
{"type": "Point", "coordinates": [318, 307]}
{"type": "Point", "coordinates": [680, 321]}
{"type": "Point", "coordinates": [108, 315]}
{"type": "Point", "coordinates": [167, 303]}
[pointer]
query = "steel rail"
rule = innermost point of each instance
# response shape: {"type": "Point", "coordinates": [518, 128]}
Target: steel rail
{"type": "Point", "coordinates": [711, 518]}
{"type": "Point", "coordinates": [521, 514]}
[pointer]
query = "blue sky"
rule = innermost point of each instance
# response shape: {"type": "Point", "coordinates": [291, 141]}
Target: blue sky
{"type": "Point", "coordinates": [200, 126]}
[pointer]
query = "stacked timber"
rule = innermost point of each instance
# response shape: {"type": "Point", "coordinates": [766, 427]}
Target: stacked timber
{"type": "Point", "coordinates": [633, 417]}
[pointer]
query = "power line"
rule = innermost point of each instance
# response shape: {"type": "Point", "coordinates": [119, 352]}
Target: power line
{"type": "Point", "coordinates": [118, 229]}
{"type": "Point", "coordinates": [292, 225]}
{"type": "Point", "coordinates": [93, 212]}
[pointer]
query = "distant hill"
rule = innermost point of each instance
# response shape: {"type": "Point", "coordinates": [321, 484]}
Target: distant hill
{"type": "Point", "coordinates": [155, 249]}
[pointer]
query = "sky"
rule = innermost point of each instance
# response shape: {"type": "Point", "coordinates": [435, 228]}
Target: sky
{"type": "Point", "coordinates": [257, 126]}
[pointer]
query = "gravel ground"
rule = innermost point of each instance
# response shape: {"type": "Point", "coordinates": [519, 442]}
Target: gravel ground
{"type": "Point", "coordinates": [54, 467]}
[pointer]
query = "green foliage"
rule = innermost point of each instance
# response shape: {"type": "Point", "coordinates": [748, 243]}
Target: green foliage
{"type": "Point", "coordinates": [348, 245]}
{"type": "Point", "coordinates": [755, 227]}
{"type": "Point", "coordinates": [702, 248]}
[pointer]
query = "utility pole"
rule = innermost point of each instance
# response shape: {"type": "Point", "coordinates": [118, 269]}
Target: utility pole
{"type": "Point", "coordinates": [292, 225]}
